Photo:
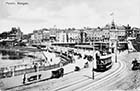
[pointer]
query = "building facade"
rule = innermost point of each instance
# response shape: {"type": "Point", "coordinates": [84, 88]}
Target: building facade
{"type": "Point", "coordinates": [62, 36]}
{"type": "Point", "coordinates": [96, 34]}
{"type": "Point", "coordinates": [73, 36]}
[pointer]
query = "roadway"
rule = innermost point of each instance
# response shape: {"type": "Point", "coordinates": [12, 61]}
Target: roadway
{"type": "Point", "coordinates": [82, 80]}
{"type": "Point", "coordinates": [86, 83]}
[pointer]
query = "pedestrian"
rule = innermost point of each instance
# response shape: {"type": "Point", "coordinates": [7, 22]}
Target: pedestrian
{"type": "Point", "coordinates": [35, 67]}
{"type": "Point", "coordinates": [24, 78]}
{"type": "Point", "coordinates": [93, 73]}
{"type": "Point", "coordinates": [86, 65]}
{"type": "Point", "coordinates": [61, 72]}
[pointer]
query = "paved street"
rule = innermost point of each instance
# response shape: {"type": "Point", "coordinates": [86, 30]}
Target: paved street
{"type": "Point", "coordinates": [82, 80]}
{"type": "Point", "coordinates": [132, 79]}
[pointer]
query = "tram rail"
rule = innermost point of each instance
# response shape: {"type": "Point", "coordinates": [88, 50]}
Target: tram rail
{"type": "Point", "coordinates": [82, 83]}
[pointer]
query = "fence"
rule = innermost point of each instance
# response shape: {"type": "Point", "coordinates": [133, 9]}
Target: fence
{"type": "Point", "coordinates": [8, 74]}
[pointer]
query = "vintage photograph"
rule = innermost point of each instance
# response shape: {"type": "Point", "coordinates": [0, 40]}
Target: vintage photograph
{"type": "Point", "coordinates": [69, 45]}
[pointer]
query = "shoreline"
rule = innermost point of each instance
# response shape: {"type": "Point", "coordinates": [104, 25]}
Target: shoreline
{"type": "Point", "coordinates": [20, 49]}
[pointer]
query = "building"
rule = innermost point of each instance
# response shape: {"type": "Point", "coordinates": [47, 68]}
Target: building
{"type": "Point", "coordinates": [68, 36]}
{"type": "Point", "coordinates": [53, 34]}
{"type": "Point", "coordinates": [37, 36]}
{"type": "Point", "coordinates": [15, 34]}
{"type": "Point", "coordinates": [135, 31]}
{"type": "Point", "coordinates": [46, 36]}
{"type": "Point", "coordinates": [12, 37]}
{"type": "Point", "coordinates": [90, 34]}
{"type": "Point", "coordinates": [97, 34]}
{"type": "Point", "coordinates": [73, 36]}
{"type": "Point", "coordinates": [129, 31]}
{"type": "Point", "coordinates": [117, 32]}
{"type": "Point", "coordinates": [62, 36]}
{"type": "Point", "coordinates": [41, 35]}
{"type": "Point", "coordinates": [83, 36]}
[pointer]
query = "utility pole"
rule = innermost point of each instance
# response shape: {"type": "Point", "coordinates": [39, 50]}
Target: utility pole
{"type": "Point", "coordinates": [116, 51]}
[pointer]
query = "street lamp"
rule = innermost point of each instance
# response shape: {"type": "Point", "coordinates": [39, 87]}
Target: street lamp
{"type": "Point", "coordinates": [116, 51]}
{"type": "Point", "coordinates": [116, 43]}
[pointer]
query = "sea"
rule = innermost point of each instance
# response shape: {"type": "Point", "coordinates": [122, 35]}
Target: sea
{"type": "Point", "coordinates": [8, 58]}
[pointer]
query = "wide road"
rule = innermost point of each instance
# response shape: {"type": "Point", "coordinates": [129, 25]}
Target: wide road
{"type": "Point", "coordinates": [101, 80]}
{"type": "Point", "coordinates": [81, 80]}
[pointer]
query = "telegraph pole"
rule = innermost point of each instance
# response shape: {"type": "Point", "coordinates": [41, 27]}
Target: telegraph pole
{"type": "Point", "coordinates": [116, 51]}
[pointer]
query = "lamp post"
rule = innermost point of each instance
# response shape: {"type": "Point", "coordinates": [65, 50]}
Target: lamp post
{"type": "Point", "coordinates": [94, 62]}
{"type": "Point", "coordinates": [116, 43]}
{"type": "Point", "coordinates": [116, 51]}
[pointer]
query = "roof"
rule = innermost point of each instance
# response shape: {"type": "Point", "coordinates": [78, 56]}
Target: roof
{"type": "Point", "coordinates": [84, 46]}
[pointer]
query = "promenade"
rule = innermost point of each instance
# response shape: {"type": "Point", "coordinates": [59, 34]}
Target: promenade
{"type": "Point", "coordinates": [75, 80]}
{"type": "Point", "coordinates": [119, 77]}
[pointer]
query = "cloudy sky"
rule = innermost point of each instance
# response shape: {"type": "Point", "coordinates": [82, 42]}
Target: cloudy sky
{"type": "Point", "coordinates": [37, 14]}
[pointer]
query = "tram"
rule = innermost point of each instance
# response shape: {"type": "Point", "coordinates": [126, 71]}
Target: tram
{"type": "Point", "coordinates": [102, 59]}
{"type": "Point", "coordinates": [102, 63]}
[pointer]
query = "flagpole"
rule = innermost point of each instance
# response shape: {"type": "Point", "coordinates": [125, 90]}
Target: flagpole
{"type": "Point", "coordinates": [112, 15]}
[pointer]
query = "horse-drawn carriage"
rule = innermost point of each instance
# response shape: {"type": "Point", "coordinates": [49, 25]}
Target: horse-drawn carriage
{"type": "Point", "coordinates": [136, 65]}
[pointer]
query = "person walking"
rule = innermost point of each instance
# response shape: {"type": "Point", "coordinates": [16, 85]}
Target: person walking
{"type": "Point", "coordinates": [35, 67]}
{"type": "Point", "coordinates": [24, 78]}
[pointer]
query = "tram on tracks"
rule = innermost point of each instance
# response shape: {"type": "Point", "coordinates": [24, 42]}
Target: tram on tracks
{"type": "Point", "coordinates": [102, 62]}
{"type": "Point", "coordinates": [102, 57]}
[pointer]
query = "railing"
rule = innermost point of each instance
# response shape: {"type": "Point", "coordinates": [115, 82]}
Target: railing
{"type": "Point", "coordinates": [32, 70]}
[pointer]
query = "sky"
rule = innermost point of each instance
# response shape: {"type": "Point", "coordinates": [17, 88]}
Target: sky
{"type": "Point", "coordinates": [38, 14]}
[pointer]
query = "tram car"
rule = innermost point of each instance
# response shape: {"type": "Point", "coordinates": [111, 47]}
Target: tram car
{"type": "Point", "coordinates": [103, 62]}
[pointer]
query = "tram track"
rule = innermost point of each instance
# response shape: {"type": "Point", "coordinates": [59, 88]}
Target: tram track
{"type": "Point", "coordinates": [118, 78]}
{"type": "Point", "coordinates": [105, 80]}
{"type": "Point", "coordinates": [67, 81]}
{"type": "Point", "coordinates": [112, 80]}
{"type": "Point", "coordinates": [74, 81]}
{"type": "Point", "coordinates": [84, 83]}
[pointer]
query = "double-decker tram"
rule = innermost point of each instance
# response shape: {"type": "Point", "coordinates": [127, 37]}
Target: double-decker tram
{"type": "Point", "coordinates": [103, 62]}
{"type": "Point", "coordinates": [102, 57]}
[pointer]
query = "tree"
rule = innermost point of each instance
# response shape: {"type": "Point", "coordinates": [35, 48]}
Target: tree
{"type": "Point", "coordinates": [13, 30]}
{"type": "Point", "coordinates": [4, 35]}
